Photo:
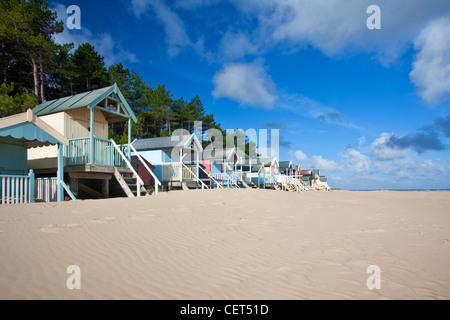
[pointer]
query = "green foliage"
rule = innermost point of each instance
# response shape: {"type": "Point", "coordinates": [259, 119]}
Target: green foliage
{"type": "Point", "coordinates": [31, 59]}
{"type": "Point", "coordinates": [11, 103]}
{"type": "Point", "coordinates": [118, 138]}
{"type": "Point", "coordinates": [88, 69]}
{"type": "Point", "coordinates": [240, 140]}
{"type": "Point", "coordinates": [158, 113]}
{"type": "Point", "coordinates": [26, 43]}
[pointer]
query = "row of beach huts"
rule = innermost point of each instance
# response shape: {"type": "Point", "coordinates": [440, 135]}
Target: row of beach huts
{"type": "Point", "coordinates": [60, 150]}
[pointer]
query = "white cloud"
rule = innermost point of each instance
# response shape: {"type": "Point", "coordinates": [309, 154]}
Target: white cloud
{"type": "Point", "coordinates": [104, 43]}
{"type": "Point", "coordinates": [339, 26]}
{"type": "Point", "coordinates": [307, 107]}
{"type": "Point", "coordinates": [236, 45]}
{"type": "Point", "coordinates": [355, 161]}
{"type": "Point", "coordinates": [300, 155]}
{"type": "Point", "coordinates": [324, 164]}
{"type": "Point", "coordinates": [176, 35]}
{"type": "Point", "coordinates": [411, 169]}
{"type": "Point", "coordinates": [335, 27]}
{"type": "Point", "coordinates": [382, 149]}
{"type": "Point", "coordinates": [362, 143]}
{"type": "Point", "coordinates": [315, 162]}
{"type": "Point", "coordinates": [431, 67]}
{"type": "Point", "coordinates": [389, 170]}
{"type": "Point", "coordinates": [246, 83]}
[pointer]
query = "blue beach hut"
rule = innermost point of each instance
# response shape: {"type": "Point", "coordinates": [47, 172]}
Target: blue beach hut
{"type": "Point", "coordinates": [18, 133]}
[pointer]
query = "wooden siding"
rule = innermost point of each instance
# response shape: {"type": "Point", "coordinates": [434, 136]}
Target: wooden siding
{"type": "Point", "coordinates": [72, 124]}
{"type": "Point", "coordinates": [15, 163]}
{"type": "Point", "coordinates": [78, 121]}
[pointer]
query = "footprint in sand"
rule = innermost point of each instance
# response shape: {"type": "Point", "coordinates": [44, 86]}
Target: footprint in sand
{"type": "Point", "coordinates": [103, 220]}
{"type": "Point", "coordinates": [59, 228]}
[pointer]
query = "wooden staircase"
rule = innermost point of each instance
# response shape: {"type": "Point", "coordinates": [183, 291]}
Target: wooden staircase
{"type": "Point", "coordinates": [128, 182]}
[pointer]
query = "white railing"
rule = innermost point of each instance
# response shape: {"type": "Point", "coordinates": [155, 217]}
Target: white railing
{"type": "Point", "coordinates": [15, 189]}
{"type": "Point", "coordinates": [195, 176]}
{"type": "Point", "coordinates": [287, 180]}
{"type": "Point", "coordinates": [239, 177]}
{"type": "Point", "coordinates": [157, 182]}
{"type": "Point", "coordinates": [227, 178]}
{"type": "Point", "coordinates": [46, 189]}
{"type": "Point", "coordinates": [139, 182]}
{"type": "Point", "coordinates": [171, 171]}
{"type": "Point", "coordinates": [212, 178]}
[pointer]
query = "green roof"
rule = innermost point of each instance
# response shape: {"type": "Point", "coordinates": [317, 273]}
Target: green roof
{"type": "Point", "coordinates": [90, 99]}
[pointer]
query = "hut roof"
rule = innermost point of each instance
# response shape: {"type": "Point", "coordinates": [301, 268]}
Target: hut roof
{"type": "Point", "coordinates": [218, 154]}
{"type": "Point", "coordinates": [90, 99]}
{"type": "Point", "coordinates": [221, 154]}
{"type": "Point", "coordinates": [31, 130]}
{"type": "Point", "coordinates": [306, 172]}
{"type": "Point", "coordinates": [166, 143]}
{"type": "Point", "coordinates": [268, 161]}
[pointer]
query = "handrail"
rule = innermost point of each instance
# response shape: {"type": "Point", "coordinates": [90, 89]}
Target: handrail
{"type": "Point", "coordinates": [87, 138]}
{"type": "Point", "coordinates": [139, 180]}
{"type": "Point", "coordinates": [198, 179]}
{"type": "Point", "coordinates": [243, 182]}
{"type": "Point", "coordinates": [8, 176]}
{"type": "Point", "coordinates": [68, 191]}
{"type": "Point", "coordinates": [157, 182]}
{"type": "Point", "coordinates": [218, 184]}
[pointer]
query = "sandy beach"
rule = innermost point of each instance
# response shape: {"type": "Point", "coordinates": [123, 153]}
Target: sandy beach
{"type": "Point", "coordinates": [230, 244]}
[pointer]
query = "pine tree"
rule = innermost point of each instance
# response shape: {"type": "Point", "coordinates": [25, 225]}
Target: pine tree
{"type": "Point", "coordinates": [88, 69]}
{"type": "Point", "coordinates": [26, 29]}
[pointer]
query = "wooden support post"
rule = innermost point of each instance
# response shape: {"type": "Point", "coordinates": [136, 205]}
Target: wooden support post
{"type": "Point", "coordinates": [129, 139]}
{"type": "Point", "coordinates": [60, 174]}
{"type": "Point", "coordinates": [74, 186]}
{"type": "Point", "coordinates": [198, 170]}
{"type": "Point", "coordinates": [31, 187]}
{"type": "Point", "coordinates": [105, 188]}
{"type": "Point", "coordinates": [181, 165]}
{"type": "Point", "coordinates": [91, 145]}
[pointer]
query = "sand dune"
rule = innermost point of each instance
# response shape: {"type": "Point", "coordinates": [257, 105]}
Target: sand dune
{"type": "Point", "coordinates": [230, 244]}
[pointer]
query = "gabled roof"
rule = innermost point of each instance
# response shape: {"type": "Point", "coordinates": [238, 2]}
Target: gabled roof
{"type": "Point", "coordinates": [241, 153]}
{"type": "Point", "coordinates": [166, 143]}
{"type": "Point", "coordinates": [217, 154]}
{"type": "Point", "coordinates": [90, 99]}
{"type": "Point", "coordinates": [226, 153]}
{"type": "Point", "coordinates": [285, 164]}
{"type": "Point", "coordinates": [31, 130]}
{"type": "Point", "coordinates": [268, 161]}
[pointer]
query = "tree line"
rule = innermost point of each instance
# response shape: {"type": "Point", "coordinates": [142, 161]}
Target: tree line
{"type": "Point", "coordinates": [35, 69]}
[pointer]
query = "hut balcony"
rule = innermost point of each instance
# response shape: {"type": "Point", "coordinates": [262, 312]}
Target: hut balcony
{"type": "Point", "coordinates": [95, 151]}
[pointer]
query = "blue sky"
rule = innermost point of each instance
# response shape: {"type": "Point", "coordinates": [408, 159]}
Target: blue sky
{"type": "Point", "coordinates": [369, 108]}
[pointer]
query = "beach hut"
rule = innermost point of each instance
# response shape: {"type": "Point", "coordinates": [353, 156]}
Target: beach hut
{"type": "Point", "coordinates": [271, 167]}
{"type": "Point", "coordinates": [312, 179]}
{"type": "Point", "coordinates": [287, 168]}
{"type": "Point", "coordinates": [141, 168]}
{"type": "Point", "coordinates": [323, 182]}
{"type": "Point", "coordinates": [19, 133]}
{"type": "Point", "coordinates": [226, 166]}
{"type": "Point", "coordinates": [176, 159]}
{"type": "Point", "coordinates": [90, 156]}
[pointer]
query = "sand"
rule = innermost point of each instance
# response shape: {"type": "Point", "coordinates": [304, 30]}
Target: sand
{"type": "Point", "coordinates": [230, 244]}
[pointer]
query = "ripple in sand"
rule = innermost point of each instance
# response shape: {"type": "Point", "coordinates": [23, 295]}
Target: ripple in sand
{"type": "Point", "coordinates": [142, 217]}
{"type": "Point", "coordinates": [55, 228]}
{"type": "Point", "coordinates": [103, 220]}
